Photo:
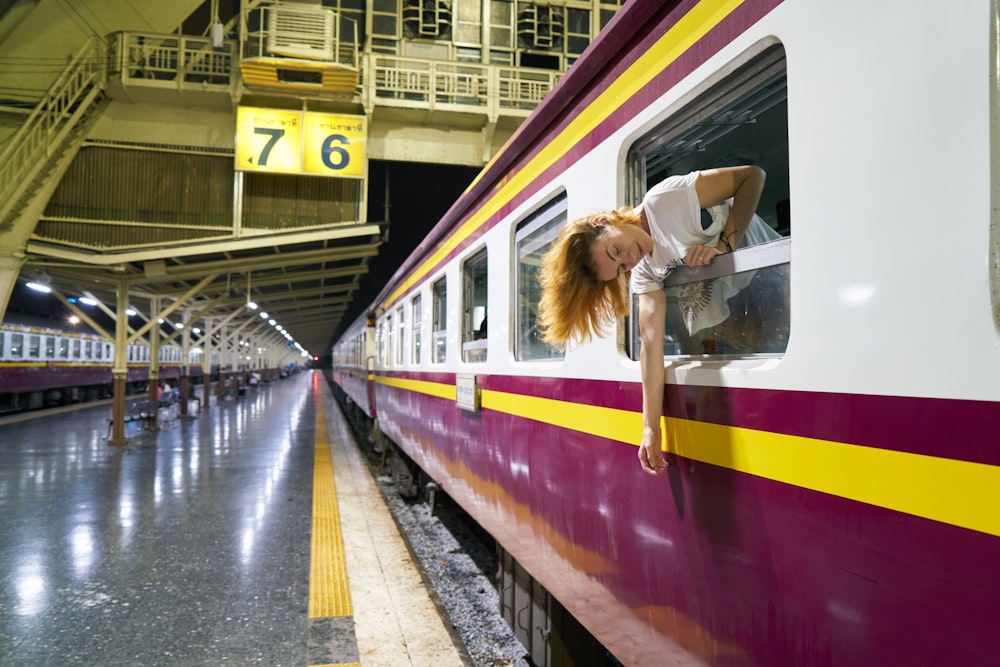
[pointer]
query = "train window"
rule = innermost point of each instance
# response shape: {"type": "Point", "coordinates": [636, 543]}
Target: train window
{"type": "Point", "coordinates": [439, 321]}
{"type": "Point", "coordinates": [474, 307]}
{"type": "Point", "coordinates": [401, 346]}
{"type": "Point", "coordinates": [34, 347]}
{"type": "Point", "coordinates": [391, 343]}
{"type": "Point", "coordinates": [16, 345]}
{"type": "Point", "coordinates": [739, 305]}
{"type": "Point", "coordinates": [77, 347]}
{"type": "Point", "coordinates": [50, 347]}
{"type": "Point", "coordinates": [532, 239]}
{"type": "Point", "coordinates": [88, 350]}
{"type": "Point", "coordinates": [3, 338]}
{"type": "Point", "coordinates": [416, 318]}
{"type": "Point", "coordinates": [379, 339]}
{"type": "Point", "coordinates": [64, 348]}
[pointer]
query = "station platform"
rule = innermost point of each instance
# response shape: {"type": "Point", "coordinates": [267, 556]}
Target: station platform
{"type": "Point", "coordinates": [252, 534]}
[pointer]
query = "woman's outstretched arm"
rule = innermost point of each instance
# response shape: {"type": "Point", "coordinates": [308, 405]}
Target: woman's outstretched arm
{"type": "Point", "coordinates": [652, 315]}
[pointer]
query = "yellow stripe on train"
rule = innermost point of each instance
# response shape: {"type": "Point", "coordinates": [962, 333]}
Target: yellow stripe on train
{"type": "Point", "coordinates": [960, 493]}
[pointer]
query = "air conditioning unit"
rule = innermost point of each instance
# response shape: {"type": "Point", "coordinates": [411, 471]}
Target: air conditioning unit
{"type": "Point", "coordinates": [300, 33]}
{"type": "Point", "coordinates": [540, 26]}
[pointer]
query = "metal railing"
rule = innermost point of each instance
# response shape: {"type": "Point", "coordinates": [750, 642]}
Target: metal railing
{"type": "Point", "coordinates": [439, 84]}
{"type": "Point", "coordinates": [171, 61]}
{"type": "Point", "coordinates": [55, 115]}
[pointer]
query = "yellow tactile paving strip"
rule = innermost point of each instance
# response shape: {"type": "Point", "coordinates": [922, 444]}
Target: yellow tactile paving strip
{"type": "Point", "coordinates": [329, 594]}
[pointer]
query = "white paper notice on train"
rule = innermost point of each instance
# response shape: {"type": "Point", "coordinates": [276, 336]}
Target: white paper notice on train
{"type": "Point", "coordinates": [466, 392]}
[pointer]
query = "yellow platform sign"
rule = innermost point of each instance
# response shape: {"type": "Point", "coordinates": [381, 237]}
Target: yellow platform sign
{"type": "Point", "coordinates": [300, 142]}
{"type": "Point", "coordinates": [268, 140]}
{"type": "Point", "coordinates": [334, 145]}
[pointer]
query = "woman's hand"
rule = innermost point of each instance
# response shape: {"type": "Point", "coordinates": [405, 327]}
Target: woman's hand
{"type": "Point", "coordinates": [650, 456]}
{"type": "Point", "coordinates": [700, 255]}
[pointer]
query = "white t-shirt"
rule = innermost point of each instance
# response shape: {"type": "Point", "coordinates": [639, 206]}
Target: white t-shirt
{"type": "Point", "coordinates": [674, 217]}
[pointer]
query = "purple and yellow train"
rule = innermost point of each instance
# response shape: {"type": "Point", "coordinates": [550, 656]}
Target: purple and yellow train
{"type": "Point", "coordinates": [833, 496]}
{"type": "Point", "coordinates": [44, 366]}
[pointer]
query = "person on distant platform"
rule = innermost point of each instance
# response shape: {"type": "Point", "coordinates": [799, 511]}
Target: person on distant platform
{"type": "Point", "coordinates": [585, 275]}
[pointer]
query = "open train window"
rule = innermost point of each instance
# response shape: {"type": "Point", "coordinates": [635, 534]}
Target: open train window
{"type": "Point", "coordinates": [474, 307]}
{"type": "Point", "coordinates": [533, 237]}
{"type": "Point", "coordinates": [739, 305]}
{"type": "Point", "coordinates": [439, 322]}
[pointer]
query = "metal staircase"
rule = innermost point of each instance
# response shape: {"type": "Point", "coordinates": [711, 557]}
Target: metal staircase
{"type": "Point", "coordinates": [39, 152]}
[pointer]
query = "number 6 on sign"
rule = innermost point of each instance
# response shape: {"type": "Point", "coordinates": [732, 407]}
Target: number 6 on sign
{"type": "Point", "coordinates": [334, 145]}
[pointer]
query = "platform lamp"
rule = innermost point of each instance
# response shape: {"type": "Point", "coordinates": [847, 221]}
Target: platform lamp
{"type": "Point", "coordinates": [39, 282]}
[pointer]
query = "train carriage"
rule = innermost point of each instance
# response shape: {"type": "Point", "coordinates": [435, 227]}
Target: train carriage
{"type": "Point", "coordinates": [41, 365]}
{"type": "Point", "coordinates": [832, 429]}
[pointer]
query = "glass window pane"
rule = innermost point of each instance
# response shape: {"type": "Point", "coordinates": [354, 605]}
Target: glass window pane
{"type": "Point", "coordinates": [739, 314]}
{"type": "Point", "coordinates": [401, 320]}
{"type": "Point", "coordinates": [391, 342]}
{"type": "Point", "coordinates": [416, 318]}
{"type": "Point", "coordinates": [34, 347]}
{"type": "Point", "coordinates": [439, 321]}
{"type": "Point", "coordinates": [474, 308]}
{"type": "Point", "coordinates": [533, 239]}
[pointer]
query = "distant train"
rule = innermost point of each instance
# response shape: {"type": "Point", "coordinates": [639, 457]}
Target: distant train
{"type": "Point", "coordinates": [42, 366]}
{"type": "Point", "coordinates": [834, 437]}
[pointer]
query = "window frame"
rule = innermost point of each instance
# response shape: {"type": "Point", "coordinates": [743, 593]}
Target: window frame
{"type": "Point", "coordinates": [474, 350]}
{"type": "Point", "coordinates": [416, 318]}
{"type": "Point", "coordinates": [537, 230]}
{"type": "Point", "coordinates": [761, 73]}
{"type": "Point", "coordinates": [439, 320]}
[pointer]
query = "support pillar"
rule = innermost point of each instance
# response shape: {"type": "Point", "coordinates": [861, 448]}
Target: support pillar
{"type": "Point", "coordinates": [185, 383]}
{"type": "Point", "coordinates": [154, 366]}
{"type": "Point", "coordinates": [118, 410]}
{"type": "Point", "coordinates": [185, 388]}
{"type": "Point", "coordinates": [120, 369]}
{"type": "Point", "coordinates": [206, 366]}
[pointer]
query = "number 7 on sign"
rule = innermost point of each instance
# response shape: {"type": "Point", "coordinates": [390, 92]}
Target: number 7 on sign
{"type": "Point", "coordinates": [275, 134]}
{"type": "Point", "coordinates": [268, 140]}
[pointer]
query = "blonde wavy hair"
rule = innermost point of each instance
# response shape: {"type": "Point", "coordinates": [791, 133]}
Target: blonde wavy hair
{"type": "Point", "coordinates": [575, 305]}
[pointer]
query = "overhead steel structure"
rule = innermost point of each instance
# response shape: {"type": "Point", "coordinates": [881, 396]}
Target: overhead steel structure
{"type": "Point", "coordinates": [206, 179]}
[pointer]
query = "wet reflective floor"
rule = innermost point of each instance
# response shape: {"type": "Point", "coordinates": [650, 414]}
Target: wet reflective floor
{"type": "Point", "coordinates": [187, 546]}
{"type": "Point", "coordinates": [220, 539]}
